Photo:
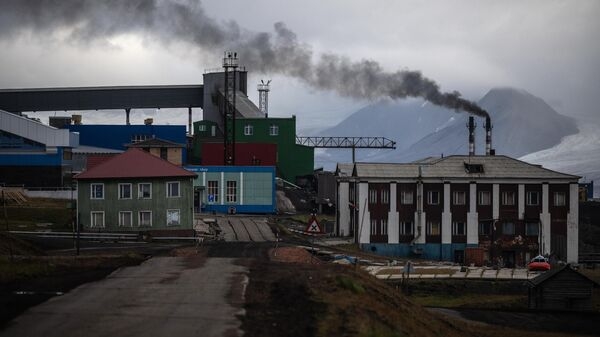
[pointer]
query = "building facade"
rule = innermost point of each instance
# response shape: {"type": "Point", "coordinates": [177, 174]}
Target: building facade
{"type": "Point", "coordinates": [135, 191]}
{"type": "Point", "coordinates": [234, 189]}
{"type": "Point", "coordinates": [442, 208]}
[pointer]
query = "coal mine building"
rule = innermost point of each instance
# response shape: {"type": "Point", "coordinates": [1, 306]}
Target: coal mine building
{"type": "Point", "coordinates": [504, 209]}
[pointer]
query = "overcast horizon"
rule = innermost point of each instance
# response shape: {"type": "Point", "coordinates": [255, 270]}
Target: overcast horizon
{"type": "Point", "coordinates": [548, 48]}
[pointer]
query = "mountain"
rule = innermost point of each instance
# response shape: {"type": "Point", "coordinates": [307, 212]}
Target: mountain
{"type": "Point", "coordinates": [522, 123]}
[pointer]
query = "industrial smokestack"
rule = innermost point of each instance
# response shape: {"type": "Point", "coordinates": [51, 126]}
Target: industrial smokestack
{"type": "Point", "coordinates": [471, 127]}
{"type": "Point", "coordinates": [488, 136]}
{"type": "Point", "coordinates": [168, 22]}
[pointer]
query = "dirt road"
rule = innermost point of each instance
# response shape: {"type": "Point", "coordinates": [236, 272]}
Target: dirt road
{"type": "Point", "coordinates": [165, 296]}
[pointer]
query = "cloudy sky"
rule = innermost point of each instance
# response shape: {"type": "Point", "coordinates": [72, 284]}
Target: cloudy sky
{"type": "Point", "coordinates": [549, 48]}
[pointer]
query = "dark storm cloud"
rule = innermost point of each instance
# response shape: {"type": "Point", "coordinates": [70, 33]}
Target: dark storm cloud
{"type": "Point", "coordinates": [87, 21]}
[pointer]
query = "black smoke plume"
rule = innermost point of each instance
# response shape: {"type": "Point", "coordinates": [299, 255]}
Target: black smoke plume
{"type": "Point", "coordinates": [89, 21]}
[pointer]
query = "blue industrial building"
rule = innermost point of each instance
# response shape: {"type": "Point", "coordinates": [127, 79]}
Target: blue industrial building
{"type": "Point", "coordinates": [234, 189]}
{"type": "Point", "coordinates": [118, 136]}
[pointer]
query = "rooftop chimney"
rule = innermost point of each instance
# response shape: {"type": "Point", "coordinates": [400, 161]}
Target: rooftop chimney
{"type": "Point", "coordinates": [488, 136]}
{"type": "Point", "coordinates": [471, 127]}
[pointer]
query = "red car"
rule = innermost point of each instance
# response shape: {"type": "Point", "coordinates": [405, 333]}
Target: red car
{"type": "Point", "coordinates": [539, 263]}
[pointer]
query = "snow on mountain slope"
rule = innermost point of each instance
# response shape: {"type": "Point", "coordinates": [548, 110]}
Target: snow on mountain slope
{"type": "Point", "coordinates": [577, 154]}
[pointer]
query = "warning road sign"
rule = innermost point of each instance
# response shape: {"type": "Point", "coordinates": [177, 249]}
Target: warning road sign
{"type": "Point", "coordinates": [313, 226]}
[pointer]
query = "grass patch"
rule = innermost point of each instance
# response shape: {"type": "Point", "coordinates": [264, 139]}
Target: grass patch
{"type": "Point", "coordinates": [472, 301]}
{"type": "Point", "coordinates": [350, 284]}
{"type": "Point", "coordinates": [18, 269]}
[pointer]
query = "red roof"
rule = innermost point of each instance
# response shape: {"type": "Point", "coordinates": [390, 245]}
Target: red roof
{"type": "Point", "coordinates": [95, 160]}
{"type": "Point", "coordinates": [134, 163]}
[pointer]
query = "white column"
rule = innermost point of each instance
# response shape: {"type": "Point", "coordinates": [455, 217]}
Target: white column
{"type": "Point", "coordinates": [472, 216]}
{"type": "Point", "coordinates": [521, 204]}
{"type": "Point", "coordinates": [222, 188]}
{"type": "Point", "coordinates": [343, 201]}
{"type": "Point", "coordinates": [364, 218]}
{"type": "Point", "coordinates": [241, 188]}
{"type": "Point", "coordinates": [393, 224]}
{"type": "Point", "coordinates": [446, 216]}
{"type": "Point", "coordinates": [420, 217]}
{"type": "Point", "coordinates": [573, 225]}
{"type": "Point", "coordinates": [495, 201]}
{"type": "Point", "coordinates": [545, 221]}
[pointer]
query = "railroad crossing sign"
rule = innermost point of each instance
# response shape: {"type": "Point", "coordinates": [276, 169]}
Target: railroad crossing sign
{"type": "Point", "coordinates": [313, 226]}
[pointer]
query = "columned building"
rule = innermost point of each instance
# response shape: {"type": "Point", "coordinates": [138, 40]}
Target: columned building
{"type": "Point", "coordinates": [445, 208]}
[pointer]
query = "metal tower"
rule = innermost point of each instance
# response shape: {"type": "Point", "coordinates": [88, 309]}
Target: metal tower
{"type": "Point", "coordinates": [263, 97]}
{"type": "Point", "coordinates": [230, 64]}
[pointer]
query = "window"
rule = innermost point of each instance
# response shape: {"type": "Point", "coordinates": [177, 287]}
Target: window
{"type": "Point", "coordinates": [145, 218]}
{"type": "Point", "coordinates": [274, 130]}
{"type": "Point", "coordinates": [97, 191]}
{"type": "Point", "coordinates": [144, 191]}
{"type": "Point", "coordinates": [484, 198]}
{"type": "Point", "coordinates": [532, 228]}
{"type": "Point", "coordinates": [485, 228]}
{"type": "Point", "coordinates": [372, 196]}
{"type": "Point", "coordinates": [385, 196]}
{"type": "Point", "coordinates": [164, 153]}
{"type": "Point", "coordinates": [173, 217]}
{"type": "Point", "coordinates": [248, 130]}
{"type": "Point", "coordinates": [508, 198]}
{"type": "Point", "coordinates": [433, 197]}
{"type": "Point", "coordinates": [201, 128]}
{"type": "Point", "coordinates": [173, 189]}
{"type": "Point", "coordinates": [231, 191]}
{"type": "Point", "coordinates": [213, 191]}
{"type": "Point", "coordinates": [124, 191]}
{"type": "Point", "coordinates": [508, 228]}
{"type": "Point", "coordinates": [433, 228]}
{"type": "Point", "coordinates": [139, 138]}
{"type": "Point", "coordinates": [384, 226]}
{"type": "Point", "coordinates": [373, 227]}
{"type": "Point", "coordinates": [97, 219]}
{"type": "Point", "coordinates": [559, 198]}
{"type": "Point", "coordinates": [125, 219]}
{"type": "Point", "coordinates": [459, 197]}
{"type": "Point", "coordinates": [406, 197]}
{"type": "Point", "coordinates": [533, 198]}
{"type": "Point", "coordinates": [67, 154]}
{"type": "Point", "coordinates": [459, 228]}
{"type": "Point", "coordinates": [406, 228]}
{"type": "Point", "coordinates": [473, 168]}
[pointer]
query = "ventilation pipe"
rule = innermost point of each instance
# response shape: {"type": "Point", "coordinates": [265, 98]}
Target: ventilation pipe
{"type": "Point", "coordinates": [471, 127]}
{"type": "Point", "coordinates": [488, 136]}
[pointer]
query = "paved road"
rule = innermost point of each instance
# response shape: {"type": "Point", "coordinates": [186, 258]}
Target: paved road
{"type": "Point", "coordinates": [165, 296]}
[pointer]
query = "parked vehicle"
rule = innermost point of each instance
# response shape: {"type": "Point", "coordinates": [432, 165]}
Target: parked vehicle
{"type": "Point", "coordinates": [539, 263]}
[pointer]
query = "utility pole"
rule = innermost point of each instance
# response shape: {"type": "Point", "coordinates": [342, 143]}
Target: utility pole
{"type": "Point", "coordinates": [8, 238]}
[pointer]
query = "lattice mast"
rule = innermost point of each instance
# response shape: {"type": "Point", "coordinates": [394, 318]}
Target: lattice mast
{"type": "Point", "coordinates": [230, 64]}
{"type": "Point", "coordinates": [263, 97]}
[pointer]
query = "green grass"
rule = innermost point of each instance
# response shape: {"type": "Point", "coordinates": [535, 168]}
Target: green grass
{"type": "Point", "coordinates": [350, 284]}
{"type": "Point", "coordinates": [17, 270]}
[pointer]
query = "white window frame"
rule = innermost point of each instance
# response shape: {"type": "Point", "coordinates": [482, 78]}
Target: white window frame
{"type": "Point", "coordinates": [139, 222]}
{"type": "Point", "coordinates": [484, 198]}
{"type": "Point", "coordinates": [459, 198]}
{"type": "Point", "coordinates": [430, 198]}
{"type": "Point", "coordinates": [486, 224]}
{"type": "Point", "coordinates": [530, 197]}
{"type": "Point", "coordinates": [121, 185]}
{"type": "Point", "coordinates": [92, 196]}
{"type": "Point", "coordinates": [457, 226]}
{"type": "Point", "coordinates": [201, 127]}
{"type": "Point", "coordinates": [560, 199]}
{"type": "Point", "coordinates": [178, 217]}
{"type": "Point", "coordinates": [231, 191]}
{"type": "Point", "coordinates": [508, 198]}
{"type": "Point", "coordinates": [171, 183]}
{"type": "Point", "coordinates": [385, 196]}
{"type": "Point", "coordinates": [121, 217]}
{"type": "Point", "coordinates": [404, 225]}
{"type": "Point", "coordinates": [372, 196]}
{"type": "Point", "coordinates": [140, 195]}
{"type": "Point", "coordinates": [430, 228]}
{"type": "Point", "coordinates": [248, 130]}
{"type": "Point", "coordinates": [93, 223]}
{"type": "Point", "coordinates": [214, 189]}
{"type": "Point", "coordinates": [384, 227]}
{"type": "Point", "coordinates": [274, 130]}
{"type": "Point", "coordinates": [373, 226]}
{"type": "Point", "coordinates": [406, 197]}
